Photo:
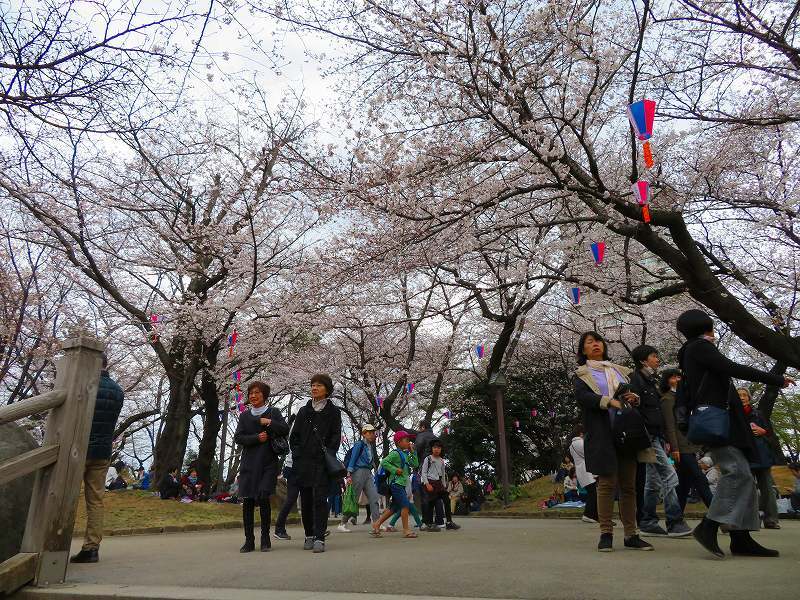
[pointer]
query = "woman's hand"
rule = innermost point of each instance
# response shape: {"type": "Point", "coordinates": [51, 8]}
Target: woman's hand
{"type": "Point", "coordinates": [263, 437]}
{"type": "Point", "coordinates": [399, 471]}
{"type": "Point", "coordinates": [265, 422]}
{"type": "Point", "coordinates": [758, 431]}
{"type": "Point", "coordinates": [614, 403]}
{"type": "Point", "coordinates": [429, 487]}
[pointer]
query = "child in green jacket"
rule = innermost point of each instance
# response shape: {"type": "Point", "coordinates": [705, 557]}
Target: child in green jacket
{"type": "Point", "coordinates": [399, 463]}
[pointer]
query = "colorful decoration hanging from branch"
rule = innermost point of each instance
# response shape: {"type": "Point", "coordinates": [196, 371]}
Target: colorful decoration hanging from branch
{"type": "Point", "coordinates": [379, 401]}
{"type": "Point", "coordinates": [410, 388]}
{"type": "Point", "coordinates": [480, 350]}
{"type": "Point", "coordinates": [232, 339]}
{"type": "Point", "coordinates": [534, 412]}
{"type": "Point", "coordinates": [641, 114]}
{"type": "Point", "coordinates": [641, 190]}
{"type": "Point", "coordinates": [575, 293]}
{"type": "Point", "coordinates": [448, 414]}
{"type": "Point", "coordinates": [516, 425]}
{"type": "Point", "coordinates": [155, 320]}
{"type": "Point", "coordinates": [598, 252]}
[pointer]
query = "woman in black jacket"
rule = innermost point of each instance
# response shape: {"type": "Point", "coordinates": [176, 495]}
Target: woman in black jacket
{"type": "Point", "coordinates": [708, 375]}
{"type": "Point", "coordinates": [318, 425]}
{"type": "Point", "coordinates": [761, 465]}
{"type": "Point", "coordinates": [596, 383]}
{"type": "Point", "coordinates": [258, 470]}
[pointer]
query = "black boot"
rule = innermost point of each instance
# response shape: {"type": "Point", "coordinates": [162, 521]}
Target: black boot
{"type": "Point", "coordinates": [706, 535]}
{"type": "Point", "coordinates": [248, 508]}
{"type": "Point", "coordinates": [86, 556]}
{"type": "Point", "coordinates": [266, 517]}
{"type": "Point", "coordinates": [743, 545]}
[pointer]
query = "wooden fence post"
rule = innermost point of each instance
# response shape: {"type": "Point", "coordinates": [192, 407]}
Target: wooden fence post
{"type": "Point", "coordinates": [51, 518]}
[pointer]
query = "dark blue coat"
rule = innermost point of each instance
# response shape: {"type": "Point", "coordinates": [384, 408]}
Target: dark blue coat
{"type": "Point", "coordinates": [106, 412]}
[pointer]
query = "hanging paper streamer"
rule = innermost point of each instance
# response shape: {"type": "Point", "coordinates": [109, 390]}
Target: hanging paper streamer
{"type": "Point", "coordinates": [232, 339]}
{"type": "Point", "coordinates": [641, 114]}
{"type": "Point", "coordinates": [410, 388]}
{"type": "Point", "coordinates": [479, 350]}
{"type": "Point", "coordinates": [448, 414]}
{"type": "Point", "coordinates": [237, 375]}
{"type": "Point", "coordinates": [646, 213]}
{"type": "Point", "coordinates": [154, 320]}
{"type": "Point", "coordinates": [379, 401]}
{"type": "Point", "coordinates": [576, 295]}
{"type": "Point", "coordinates": [641, 190]}
{"type": "Point", "coordinates": [599, 252]}
{"type": "Point", "coordinates": [534, 412]}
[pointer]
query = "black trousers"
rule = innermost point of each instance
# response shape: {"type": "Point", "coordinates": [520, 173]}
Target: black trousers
{"type": "Point", "coordinates": [590, 510]}
{"type": "Point", "coordinates": [691, 476]}
{"type": "Point", "coordinates": [431, 501]}
{"type": "Point", "coordinates": [314, 508]}
{"type": "Point", "coordinates": [248, 516]}
{"type": "Point", "coordinates": [292, 491]}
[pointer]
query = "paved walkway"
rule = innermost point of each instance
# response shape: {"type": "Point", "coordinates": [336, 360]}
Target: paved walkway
{"type": "Point", "coordinates": [488, 558]}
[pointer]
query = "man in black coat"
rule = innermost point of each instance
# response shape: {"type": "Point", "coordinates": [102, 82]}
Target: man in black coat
{"type": "Point", "coordinates": [107, 407]}
{"type": "Point", "coordinates": [660, 476]}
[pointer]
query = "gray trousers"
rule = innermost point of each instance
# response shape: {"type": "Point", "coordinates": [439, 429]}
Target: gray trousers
{"type": "Point", "coordinates": [735, 502]}
{"type": "Point", "coordinates": [766, 495]}
{"type": "Point", "coordinates": [362, 480]}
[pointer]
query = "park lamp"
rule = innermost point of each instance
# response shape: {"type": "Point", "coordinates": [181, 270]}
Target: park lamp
{"type": "Point", "coordinates": [498, 380]}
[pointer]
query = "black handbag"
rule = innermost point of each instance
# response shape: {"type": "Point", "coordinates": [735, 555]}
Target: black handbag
{"type": "Point", "coordinates": [335, 468]}
{"type": "Point", "coordinates": [280, 445]}
{"type": "Point", "coordinates": [629, 431]}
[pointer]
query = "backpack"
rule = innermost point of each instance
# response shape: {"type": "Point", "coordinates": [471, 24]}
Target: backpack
{"type": "Point", "coordinates": [349, 454]}
{"type": "Point", "coordinates": [383, 478]}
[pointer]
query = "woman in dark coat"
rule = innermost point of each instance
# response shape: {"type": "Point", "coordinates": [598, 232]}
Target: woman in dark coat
{"type": "Point", "coordinates": [708, 375]}
{"type": "Point", "coordinates": [596, 383]}
{"type": "Point", "coordinates": [258, 470]}
{"type": "Point", "coordinates": [318, 424]}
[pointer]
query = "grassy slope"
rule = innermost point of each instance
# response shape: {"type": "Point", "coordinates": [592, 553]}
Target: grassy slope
{"type": "Point", "coordinates": [541, 489]}
{"type": "Point", "coordinates": [134, 509]}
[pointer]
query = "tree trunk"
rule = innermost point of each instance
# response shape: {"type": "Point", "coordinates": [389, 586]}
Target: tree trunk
{"type": "Point", "coordinates": [171, 444]}
{"type": "Point", "coordinates": [211, 427]}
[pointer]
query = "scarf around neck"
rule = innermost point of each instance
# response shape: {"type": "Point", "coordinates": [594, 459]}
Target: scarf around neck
{"type": "Point", "coordinates": [318, 405]}
{"type": "Point", "coordinates": [257, 412]}
{"type": "Point", "coordinates": [613, 377]}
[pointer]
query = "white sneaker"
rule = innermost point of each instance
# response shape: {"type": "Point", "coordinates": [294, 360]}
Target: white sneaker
{"type": "Point", "coordinates": [586, 519]}
{"type": "Point", "coordinates": [342, 528]}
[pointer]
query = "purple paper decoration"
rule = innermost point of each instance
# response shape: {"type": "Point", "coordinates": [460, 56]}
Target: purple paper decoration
{"type": "Point", "coordinates": [379, 401]}
{"type": "Point", "coordinates": [641, 114]}
{"type": "Point", "coordinates": [410, 388]}
{"type": "Point", "coordinates": [448, 414]}
{"type": "Point", "coordinates": [576, 295]}
{"type": "Point", "coordinates": [479, 350]}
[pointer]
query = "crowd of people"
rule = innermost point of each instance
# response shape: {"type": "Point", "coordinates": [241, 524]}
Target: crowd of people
{"type": "Point", "coordinates": [665, 467]}
{"type": "Point", "coordinates": [631, 446]}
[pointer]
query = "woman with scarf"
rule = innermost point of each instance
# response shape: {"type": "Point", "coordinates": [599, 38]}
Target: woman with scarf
{"type": "Point", "coordinates": [318, 426]}
{"type": "Point", "coordinates": [258, 472]}
{"type": "Point", "coordinates": [708, 376]}
{"type": "Point", "coordinates": [596, 383]}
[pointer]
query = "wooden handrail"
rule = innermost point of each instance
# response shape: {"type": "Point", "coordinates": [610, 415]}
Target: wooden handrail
{"type": "Point", "coordinates": [28, 462]}
{"type": "Point", "coordinates": [32, 406]}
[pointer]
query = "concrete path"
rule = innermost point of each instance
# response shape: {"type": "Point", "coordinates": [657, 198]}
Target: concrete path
{"type": "Point", "coordinates": [488, 558]}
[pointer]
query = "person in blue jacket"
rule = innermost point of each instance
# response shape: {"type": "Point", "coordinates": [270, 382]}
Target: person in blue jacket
{"type": "Point", "coordinates": [107, 407]}
{"type": "Point", "coordinates": [359, 474]}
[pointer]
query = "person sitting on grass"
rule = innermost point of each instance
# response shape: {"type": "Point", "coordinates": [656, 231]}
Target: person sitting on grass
{"type": "Point", "coordinates": [192, 488]}
{"type": "Point", "coordinates": [170, 486]}
{"type": "Point", "coordinates": [571, 487]}
{"type": "Point", "coordinates": [398, 464]}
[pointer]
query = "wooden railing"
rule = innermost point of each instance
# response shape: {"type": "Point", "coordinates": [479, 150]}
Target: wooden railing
{"type": "Point", "coordinates": [58, 463]}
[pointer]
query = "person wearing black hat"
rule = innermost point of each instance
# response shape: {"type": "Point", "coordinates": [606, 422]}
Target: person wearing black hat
{"type": "Point", "coordinates": [709, 376]}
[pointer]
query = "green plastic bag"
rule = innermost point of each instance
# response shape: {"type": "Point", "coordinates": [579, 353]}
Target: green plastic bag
{"type": "Point", "coordinates": [350, 502]}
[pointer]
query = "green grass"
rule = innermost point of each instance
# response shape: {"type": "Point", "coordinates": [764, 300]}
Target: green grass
{"type": "Point", "coordinates": [133, 509]}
